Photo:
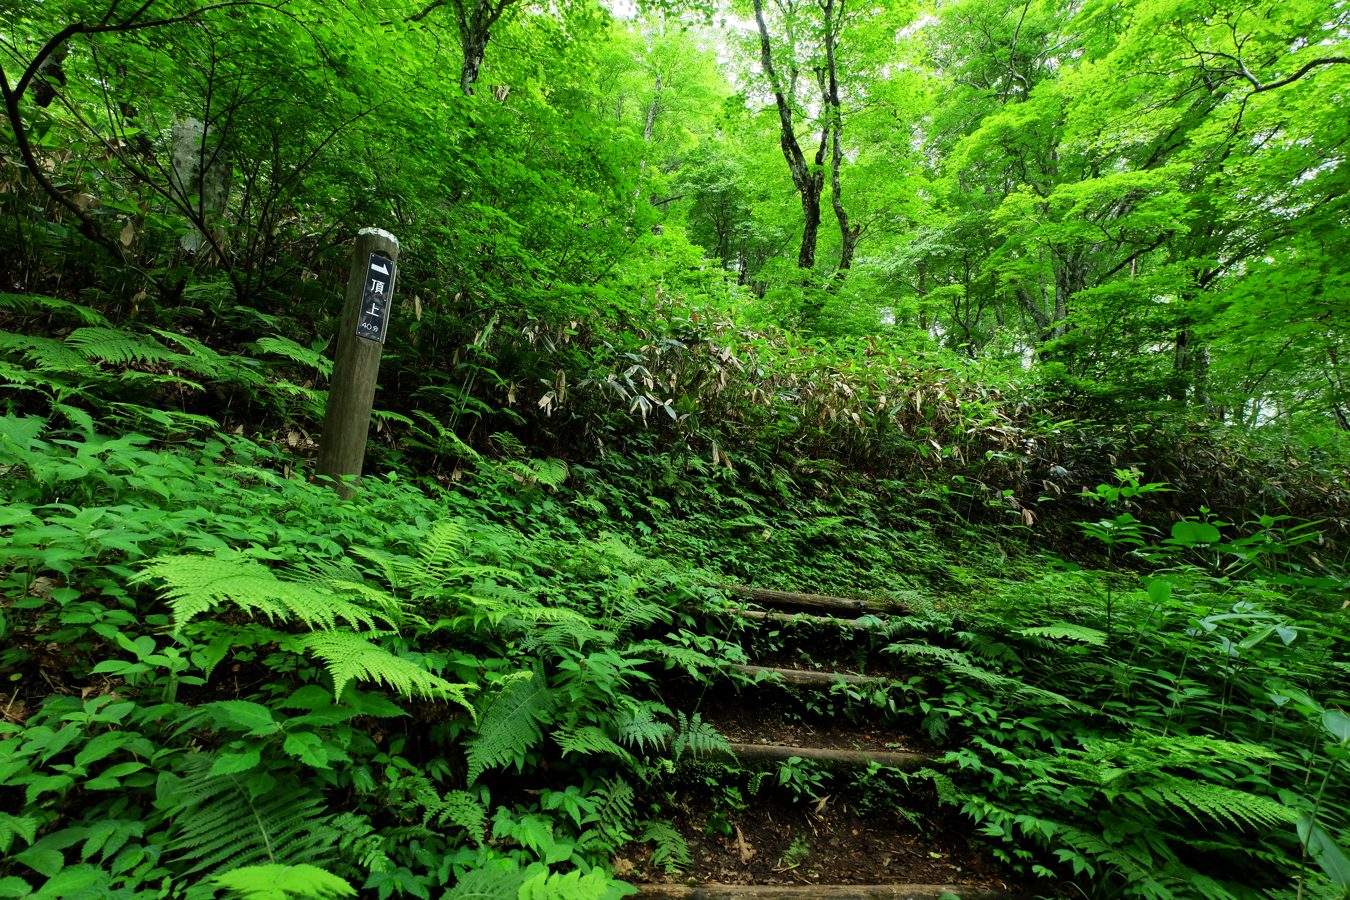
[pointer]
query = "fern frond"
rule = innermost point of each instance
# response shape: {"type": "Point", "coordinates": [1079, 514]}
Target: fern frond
{"type": "Point", "coordinates": [202, 360]}
{"type": "Point", "coordinates": [1208, 802]}
{"type": "Point", "coordinates": [195, 584]}
{"type": "Point", "coordinates": [510, 722]}
{"type": "Point", "coordinates": [441, 440]}
{"type": "Point", "coordinates": [551, 473]}
{"type": "Point", "coordinates": [17, 377]}
{"type": "Point", "coordinates": [497, 881]}
{"type": "Point", "coordinates": [637, 725]}
{"type": "Point", "coordinates": [461, 809]}
{"type": "Point", "coordinates": [350, 657]}
{"type": "Point", "coordinates": [638, 613]}
{"type": "Point", "coordinates": [698, 737]}
{"type": "Point", "coordinates": [615, 806]}
{"type": "Point", "coordinates": [80, 420]}
{"type": "Point", "coordinates": [46, 354]}
{"type": "Point", "coordinates": [670, 850]}
{"type": "Point", "coordinates": [29, 304]}
{"type": "Point", "coordinates": [443, 547]}
{"type": "Point", "coordinates": [588, 739]}
{"type": "Point", "coordinates": [296, 353]}
{"type": "Point", "coordinates": [171, 420]}
{"type": "Point", "coordinates": [277, 882]}
{"type": "Point", "coordinates": [361, 843]}
{"type": "Point", "coordinates": [227, 820]}
{"type": "Point", "coordinates": [691, 660]}
{"type": "Point", "coordinates": [1065, 631]}
{"type": "Point", "coordinates": [117, 347]}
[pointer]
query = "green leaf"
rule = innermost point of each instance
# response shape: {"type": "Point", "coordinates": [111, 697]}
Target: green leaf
{"type": "Point", "coordinates": [1337, 725]}
{"type": "Point", "coordinates": [43, 860]}
{"type": "Point", "coordinates": [308, 748]}
{"type": "Point", "coordinates": [279, 882]}
{"type": "Point", "coordinates": [233, 763]}
{"type": "Point", "coordinates": [13, 886]}
{"type": "Point", "coordinates": [1189, 533]}
{"type": "Point", "coordinates": [71, 881]}
{"type": "Point", "coordinates": [253, 719]}
{"type": "Point", "coordinates": [1324, 850]}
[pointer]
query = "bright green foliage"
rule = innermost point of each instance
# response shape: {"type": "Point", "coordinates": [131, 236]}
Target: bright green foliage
{"type": "Point", "coordinates": [1061, 245]}
{"type": "Point", "coordinates": [273, 882]}
{"type": "Point", "coordinates": [509, 722]}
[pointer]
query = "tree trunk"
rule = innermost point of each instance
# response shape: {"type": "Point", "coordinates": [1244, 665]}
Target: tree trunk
{"type": "Point", "coordinates": [808, 179]}
{"type": "Point", "coordinates": [829, 85]}
{"type": "Point", "coordinates": [475, 19]}
{"type": "Point", "coordinates": [201, 178]}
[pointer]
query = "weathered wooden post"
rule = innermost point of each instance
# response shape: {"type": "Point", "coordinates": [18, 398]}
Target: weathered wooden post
{"type": "Point", "coordinates": [356, 362]}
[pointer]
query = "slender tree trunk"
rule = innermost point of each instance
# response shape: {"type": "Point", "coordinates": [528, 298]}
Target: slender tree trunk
{"type": "Point", "coordinates": [829, 88]}
{"type": "Point", "coordinates": [808, 179]}
{"type": "Point", "coordinates": [475, 19]}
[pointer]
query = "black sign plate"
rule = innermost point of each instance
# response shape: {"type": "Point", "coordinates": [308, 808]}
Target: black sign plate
{"type": "Point", "coordinates": [373, 321]}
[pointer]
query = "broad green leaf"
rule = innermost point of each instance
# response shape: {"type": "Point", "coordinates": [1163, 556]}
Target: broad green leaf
{"type": "Point", "coordinates": [1322, 847]}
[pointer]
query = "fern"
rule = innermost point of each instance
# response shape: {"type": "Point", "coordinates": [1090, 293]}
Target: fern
{"type": "Point", "coordinates": [698, 737]}
{"type": "Point", "coordinates": [497, 881]}
{"type": "Point", "coordinates": [196, 584]}
{"type": "Point", "coordinates": [1064, 631]}
{"type": "Point", "coordinates": [510, 721]}
{"type": "Point", "coordinates": [670, 850]}
{"type": "Point", "coordinates": [118, 347]}
{"type": "Point", "coordinates": [202, 360]}
{"type": "Point", "coordinates": [47, 354]}
{"type": "Point", "coordinates": [551, 473]}
{"type": "Point", "coordinates": [220, 820]}
{"type": "Point", "coordinates": [437, 438]}
{"type": "Point", "coordinates": [27, 379]}
{"type": "Point", "coordinates": [277, 882]}
{"type": "Point", "coordinates": [283, 346]}
{"type": "Point", "coordinates": [691, 660]}
{"type": "Point", "coordinates": [351, 657]}
{"type": "Point", "coordinates": [637, 613]}
{"type": "Point", "coordinates": [1207, 802]}
{"type": "Point", "coordinates": [615, 807]}
{"type": "Point", "coordinates": [588, 739]}
{"type": "Point", "coordinates": [637, 724]}
{"type": "Point", "coordinates": [361, 844]}
{"type": "Point", "coordinates": [30, 304]}
{"type": "Point", "coordinates": [459, 808]}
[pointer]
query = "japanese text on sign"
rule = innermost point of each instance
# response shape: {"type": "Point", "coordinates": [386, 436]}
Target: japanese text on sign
{"type": "Point", "coordinates": [373, 320]}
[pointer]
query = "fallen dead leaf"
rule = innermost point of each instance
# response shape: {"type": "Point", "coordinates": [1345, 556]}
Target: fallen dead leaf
{"type": "Point", "coordinates": [743, 846]}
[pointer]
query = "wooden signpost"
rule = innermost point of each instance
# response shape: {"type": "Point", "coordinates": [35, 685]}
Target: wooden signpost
{"type": "Point", "coordinates": [356, 363]}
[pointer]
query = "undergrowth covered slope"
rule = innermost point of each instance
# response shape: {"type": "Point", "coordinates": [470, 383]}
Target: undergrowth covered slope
{"type": "Point", "coordinates": [224, 679]}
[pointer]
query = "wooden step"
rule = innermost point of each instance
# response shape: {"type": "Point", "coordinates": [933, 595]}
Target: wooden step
{"type": "Point", "coordinates": [823, 891]}
{"type": "Point", "coordinates": [758, 615]}
{"type": "Point", "coordinates": [829, 756]}
{"type": "Point", "coordinates": [820, 602]}
{"type": "Point", "coordinates": [803, 677]}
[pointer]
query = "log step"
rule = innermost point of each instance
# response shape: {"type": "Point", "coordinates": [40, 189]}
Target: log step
{"type": "Point", "coordinates": [822, 891]}
{"type": "Point", "coordinates": [795, 618]}
{"type": "Point", "coordinates": [804, 678]}
{"type": "Point", "coordinates": [829, 756]}
{"type": "Point", "coordinates": [822, 602]}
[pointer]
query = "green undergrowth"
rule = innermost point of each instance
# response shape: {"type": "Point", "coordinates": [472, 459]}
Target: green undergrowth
{"type": "Point", "coordinates": [216, 669]}
{"type": "Point", "coordinates": [222, 680]}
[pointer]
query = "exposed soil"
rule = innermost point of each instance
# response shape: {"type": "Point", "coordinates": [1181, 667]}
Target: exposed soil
{"type": "Point", "coordinates": [766, 724]}
{"type": "Point", "coordinates": [774, 841]}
